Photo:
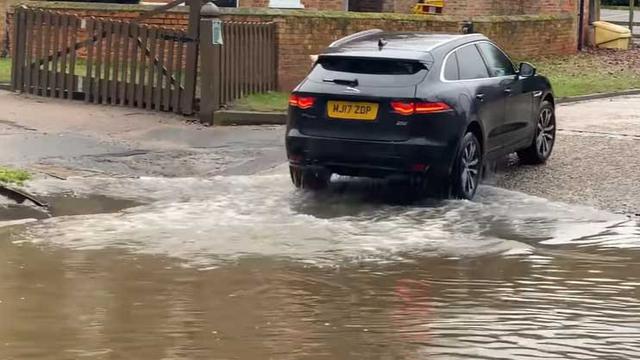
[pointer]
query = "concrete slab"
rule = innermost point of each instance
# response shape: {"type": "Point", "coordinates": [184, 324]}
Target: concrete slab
{"type": "Point", "coordinates": [70, 137]}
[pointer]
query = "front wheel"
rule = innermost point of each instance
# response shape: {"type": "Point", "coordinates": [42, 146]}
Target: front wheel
{"type": "Point", "coordinates": [307, 179]}
{"type": "Point", "coordinates": [545, 137]}
{"type": "Point", "coordinates": [465, 176]}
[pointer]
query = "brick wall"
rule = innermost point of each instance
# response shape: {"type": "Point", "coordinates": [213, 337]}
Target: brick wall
{"type": "Point", "coordinates": [300, 37]}
{"type": "Point", "coordinates": [452, 7]}
{"type": "Point", "coordinates": [324, 4]}
{"type": "Point", "coordinates": [403, 6]}
{"type": "Point", "coordinates": [303, 33]}
{"type": "Point", "coordinates": [4, 8]}
{"type": "Point", "coordinates": [253, 3]}
{"type": "Point", "coordinates": [470, 8]}
{"type": "Point", "coordinates": [521, 36]}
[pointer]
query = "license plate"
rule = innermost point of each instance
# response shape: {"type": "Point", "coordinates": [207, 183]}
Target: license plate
{"type": "Point", "coordinates": [352, 110]}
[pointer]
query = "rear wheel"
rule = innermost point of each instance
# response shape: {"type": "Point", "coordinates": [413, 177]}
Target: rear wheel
{"type": "Point", "coordinates": [545, 137]}
{"type": "Point", "coordinates": [309, 179]}
{"type": "Point", "coordinates": [467, 169]}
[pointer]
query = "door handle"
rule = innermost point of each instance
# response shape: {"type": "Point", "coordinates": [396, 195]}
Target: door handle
{"type": "Point", "coordinates": [480, 97]}
{"type": "Point", "coordinates": [508, 91]}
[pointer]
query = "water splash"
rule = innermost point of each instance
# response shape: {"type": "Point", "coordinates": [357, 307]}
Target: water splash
{"type": "Point", "coordinates": [207, 222]}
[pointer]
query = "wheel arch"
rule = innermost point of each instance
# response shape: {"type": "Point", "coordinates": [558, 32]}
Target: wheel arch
{"type": "Point", "coordinates": [549, 97]}
{"type": "Point", "coordinates": [475, 128]}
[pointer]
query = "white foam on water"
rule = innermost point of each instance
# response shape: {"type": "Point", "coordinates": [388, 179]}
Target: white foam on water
{"type": "Point", "coordinates": [208, 221]}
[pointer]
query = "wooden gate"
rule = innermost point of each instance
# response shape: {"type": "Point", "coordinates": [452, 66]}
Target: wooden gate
{"type": "Point", "coordinates": [248, 59]}
{"type": "Point", "coordinates": [100, 61]}
{"type": "Point", "coordinates": [242, 63]}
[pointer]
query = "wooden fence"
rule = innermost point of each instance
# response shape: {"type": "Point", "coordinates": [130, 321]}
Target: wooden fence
{"type": "Point", "coordinates": [248, 60]}
{"type": "Point", "coordinates": [122, 64]}
{"type": "Point", "coordinates": [131, 64]}
{"type": "Point", "coordinates": [245, 63]}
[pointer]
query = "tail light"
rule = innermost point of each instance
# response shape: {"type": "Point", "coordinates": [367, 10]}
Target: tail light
{"type": "Point", "coordinates": [428, 108]}
{"type": "Point", "coordinates": [407, 108]}
{"type": "Point", "coordinates": [302, 102]}
{"type": "Point", "coordinates": [403, 108]}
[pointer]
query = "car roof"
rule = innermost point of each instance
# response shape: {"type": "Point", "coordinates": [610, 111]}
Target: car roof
{"type": "Point", "coordinates": [397, 45]}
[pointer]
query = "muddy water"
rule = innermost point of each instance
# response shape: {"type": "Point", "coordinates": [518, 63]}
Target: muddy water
{"type": "Point", "coordinates": [242, 267]}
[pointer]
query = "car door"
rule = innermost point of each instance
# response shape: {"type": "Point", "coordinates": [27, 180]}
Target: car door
{"type": "Point", "coordinates": [518, 124]}
{"type": "Point", "coordinates": [488, 94]}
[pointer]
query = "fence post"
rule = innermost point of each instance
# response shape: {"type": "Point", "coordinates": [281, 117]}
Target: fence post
{"type": "Point", "coordinates": [19, 38]}
{"type": "Point", "coordinates": [210, 45]}
{"type": "Point", "coordinates": [191, 60]}
{"type": "Point", "coordinates": [632, 5]}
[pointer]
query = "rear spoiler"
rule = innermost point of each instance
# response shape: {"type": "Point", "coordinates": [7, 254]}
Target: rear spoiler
{"type": "Point", "coordinates": [355, 36]}
{"type": "Point", "coordinates": [427, 59]}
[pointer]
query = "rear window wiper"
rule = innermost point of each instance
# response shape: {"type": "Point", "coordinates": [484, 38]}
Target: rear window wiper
{"type": "Point", "coordinates": [347, 82]}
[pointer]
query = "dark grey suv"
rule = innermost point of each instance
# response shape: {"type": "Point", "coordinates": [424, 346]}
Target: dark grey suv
{"type": "Point", "coordinates": [432, 108]}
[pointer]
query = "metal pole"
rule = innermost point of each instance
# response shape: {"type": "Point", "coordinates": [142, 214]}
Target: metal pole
{"type": "Point", "coordinates": [210, 65]}
{"type": "Point", "coordinates": [632, 5]}
{"type": "Point", "coordinates": [581, 25]}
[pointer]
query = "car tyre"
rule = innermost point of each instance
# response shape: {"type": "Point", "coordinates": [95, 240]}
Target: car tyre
{"type": "Point", "coordinates": [309, 180]}
{"type": "Point", "coordinates": [545, 137]}
{"type": "Point", "coordinates": [467, 170]}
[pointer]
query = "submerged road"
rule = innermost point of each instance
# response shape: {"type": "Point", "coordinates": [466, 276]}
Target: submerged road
{"type": "Point", "coordinates": [171, 241]}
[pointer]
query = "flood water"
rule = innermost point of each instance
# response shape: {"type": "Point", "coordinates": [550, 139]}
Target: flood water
{"type": "Point", "coordinates": [244, 267]}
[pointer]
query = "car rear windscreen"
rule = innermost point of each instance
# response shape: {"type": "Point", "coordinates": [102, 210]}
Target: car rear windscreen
{"type": "Point", "coordinates": [371, 66]}
{"type": "Point", "coordinates": [369, 72]}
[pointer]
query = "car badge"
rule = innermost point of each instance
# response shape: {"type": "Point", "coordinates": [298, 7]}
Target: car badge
{"type": "Point", "coordinates": [352, 90]}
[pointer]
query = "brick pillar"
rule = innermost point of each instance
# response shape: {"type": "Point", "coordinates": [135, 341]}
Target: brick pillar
{"type": "Point", "coordinates": [5, 5]}
{"type": "Point", "coordinates": [458, 7]}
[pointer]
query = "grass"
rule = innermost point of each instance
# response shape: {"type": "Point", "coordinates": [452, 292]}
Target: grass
{"type": "Point", "coordinates": [592, 71]}
{"type": "Point", "coordinates": [271, 101]}
{"type": "Point", "coordinates": [13, 176]}
{"type": "Point", "coordinates": [5, 70]}
{"type": "Point", "coordinates": [80, 70]}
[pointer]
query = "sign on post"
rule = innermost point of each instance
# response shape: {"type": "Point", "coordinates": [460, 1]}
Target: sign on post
{"type": "Point", "coordinates": [216, 31]}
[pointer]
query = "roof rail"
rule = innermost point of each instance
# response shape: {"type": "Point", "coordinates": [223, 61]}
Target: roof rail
{"type": "Point", "coordinates": [355, 36]}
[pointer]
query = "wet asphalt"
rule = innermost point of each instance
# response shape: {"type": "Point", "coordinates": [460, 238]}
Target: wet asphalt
{"type": "Point", "coordinates": [595, 162]}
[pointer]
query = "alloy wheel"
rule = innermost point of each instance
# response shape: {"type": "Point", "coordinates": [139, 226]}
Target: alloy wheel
{"type": "Point", "coordinates": [545, 133]}
{"type": "Point", "coordinates": [470, 167]}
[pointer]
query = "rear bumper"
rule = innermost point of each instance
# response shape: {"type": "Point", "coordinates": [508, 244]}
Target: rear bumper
{"type": "Point", "coordinates": [368, 158]}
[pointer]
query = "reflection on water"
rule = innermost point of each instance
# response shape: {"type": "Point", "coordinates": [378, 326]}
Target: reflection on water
{"type": "Point", "coordinates": [256, 270]}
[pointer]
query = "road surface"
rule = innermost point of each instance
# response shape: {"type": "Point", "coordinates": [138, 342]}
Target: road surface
{"type": "Point", "coordinates": [174, 241]}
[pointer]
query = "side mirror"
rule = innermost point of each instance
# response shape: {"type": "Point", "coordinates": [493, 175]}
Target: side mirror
{"type": "Point", "coordinates": [526, 70]}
